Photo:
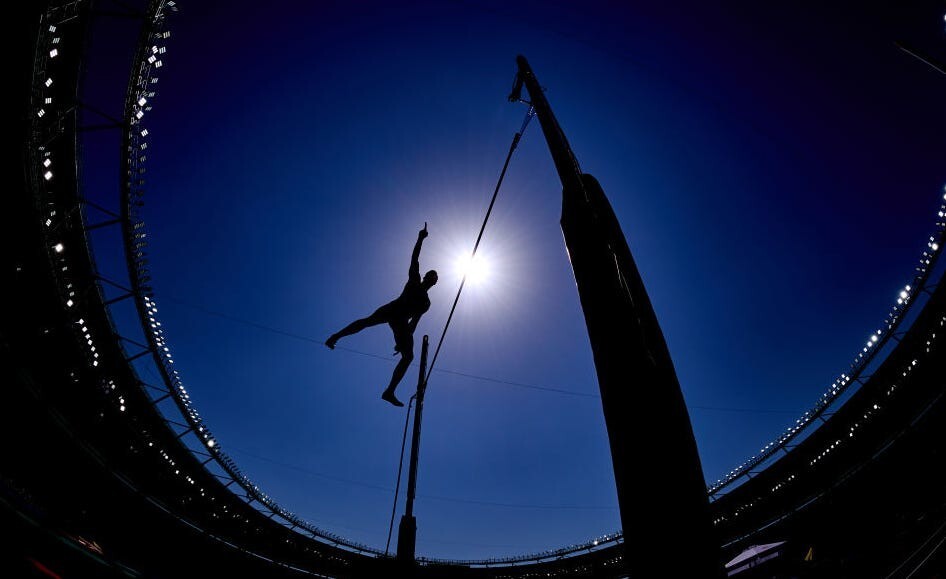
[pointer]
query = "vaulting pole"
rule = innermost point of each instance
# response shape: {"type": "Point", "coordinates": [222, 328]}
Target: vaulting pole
{"type": "Point", "coordinates": [407, 529]}
{"type": "Point", "coordinates": [660, 485]}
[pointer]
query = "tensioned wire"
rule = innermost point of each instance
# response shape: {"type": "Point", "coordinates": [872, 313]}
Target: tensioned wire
{"type": "Point", "coordinates": [480, 377]}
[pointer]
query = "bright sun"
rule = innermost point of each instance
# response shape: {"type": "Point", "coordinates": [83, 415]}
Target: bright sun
{"type": "Point", "coordinates": [476, 270]}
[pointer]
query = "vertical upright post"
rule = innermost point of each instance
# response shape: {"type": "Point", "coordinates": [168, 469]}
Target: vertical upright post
{"type": "Point", "coordinates": [660, 486]}
{"type": "Point", "coordinates": [407, 529]}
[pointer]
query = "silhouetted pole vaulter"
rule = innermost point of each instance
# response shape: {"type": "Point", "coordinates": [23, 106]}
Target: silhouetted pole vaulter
{"type": "Point", "coordinates": [660, 485]}
{"type": "Point", "coordinates": [407, 529]}
{"type": "Point", "coordinates": [402, 314]}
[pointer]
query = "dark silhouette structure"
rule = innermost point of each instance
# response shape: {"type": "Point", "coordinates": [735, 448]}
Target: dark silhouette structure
{"type": "Point", "coordinates": [635, 375]}
{"type": "Point", "coordinates": [402, 314]}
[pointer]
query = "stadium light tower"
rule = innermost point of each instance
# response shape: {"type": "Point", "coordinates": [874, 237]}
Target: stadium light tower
{"type": "Point", "coordinates": [660, 485]}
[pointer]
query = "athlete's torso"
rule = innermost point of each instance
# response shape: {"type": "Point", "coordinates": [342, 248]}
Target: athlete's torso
{"type": "Point", "coordinates": [413, 300]}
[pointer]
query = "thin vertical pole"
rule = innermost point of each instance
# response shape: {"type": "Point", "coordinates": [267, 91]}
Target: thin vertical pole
{"type": "Point", "coordinates": [407, 530]}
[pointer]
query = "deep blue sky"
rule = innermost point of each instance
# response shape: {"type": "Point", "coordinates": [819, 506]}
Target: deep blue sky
{"type": "Point", "coordinates": [776, 169]}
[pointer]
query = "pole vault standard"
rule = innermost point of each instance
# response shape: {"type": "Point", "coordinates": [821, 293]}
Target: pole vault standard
{"type": "Point", "coordinates": [407, 529]}
{"type": "Point", "coordinates": [660, 485]}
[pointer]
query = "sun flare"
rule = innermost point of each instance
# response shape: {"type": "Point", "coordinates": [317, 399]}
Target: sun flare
{"type": "Point", "coordinates": [476, 269]}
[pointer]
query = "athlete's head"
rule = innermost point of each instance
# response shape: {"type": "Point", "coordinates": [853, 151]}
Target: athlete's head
{"type": "Point", "coordinates": [430, 279]}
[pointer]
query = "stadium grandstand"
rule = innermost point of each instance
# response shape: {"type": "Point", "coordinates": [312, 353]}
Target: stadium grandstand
{"type": "Point", "coordinates": [98, 480]}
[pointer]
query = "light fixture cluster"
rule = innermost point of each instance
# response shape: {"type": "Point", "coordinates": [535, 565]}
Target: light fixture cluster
{"type": "Point", "coordinates": [593, 544]}
{"type": "Point", "coordinates": [88, 341]}
{"type": "Point", "coordinates": [783, 483]}
{"type": "Point", "coordinates": [873, 345]}
{"type": "Point", "coordinates": [871, 412]}
{"type": "Point", "coordinates": [48, 127]}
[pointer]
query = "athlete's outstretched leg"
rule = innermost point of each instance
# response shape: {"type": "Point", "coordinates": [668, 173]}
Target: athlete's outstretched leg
{"type": "Point", "coordinates": [404, 341]}
{"type": "Point", "coordinates": [374, 319]}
